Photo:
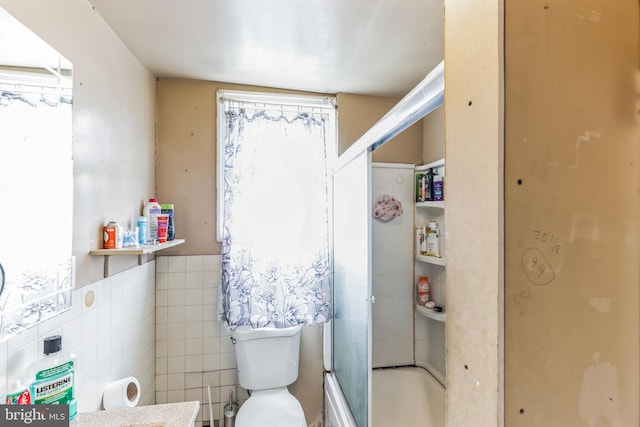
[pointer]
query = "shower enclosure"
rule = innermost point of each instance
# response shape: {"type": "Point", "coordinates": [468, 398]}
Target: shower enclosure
{"type": "Point", "coordinates": [349, 360]}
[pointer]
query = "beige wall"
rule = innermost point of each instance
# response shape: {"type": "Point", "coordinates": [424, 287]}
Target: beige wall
{"type": "Point", "coordinates": [113, 119]}
{"type": "Point", "coordinates": [357, 113]}
{"type": "Point", "coordinates": [473, 191]}
{"type": "Point", "coordinates": [572, 332]}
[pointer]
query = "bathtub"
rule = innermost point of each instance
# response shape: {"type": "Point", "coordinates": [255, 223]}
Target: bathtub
{"type": "Point", "coordinates": [407, 397]}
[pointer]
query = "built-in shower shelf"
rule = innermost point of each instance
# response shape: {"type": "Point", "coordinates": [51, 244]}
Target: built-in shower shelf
{"type": "Point", "coordinates": [431, 260]}
{"type": "Point", "coordinates": [139, 251]}
{"type": "Point", "coordinates": [438, 205]}
{"type": "Point", "coordinates": [430, 314]}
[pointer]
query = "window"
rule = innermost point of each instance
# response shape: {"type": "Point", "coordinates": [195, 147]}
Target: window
{"type": "Point", "coordinates": [274, 153]}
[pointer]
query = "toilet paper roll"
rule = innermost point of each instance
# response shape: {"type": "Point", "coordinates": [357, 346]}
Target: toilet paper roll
{"type": "Point", "coordinates": [124, 393]}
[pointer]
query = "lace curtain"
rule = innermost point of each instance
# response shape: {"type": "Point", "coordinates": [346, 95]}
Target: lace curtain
{"type": "Point", "coordinates": [275, 248]}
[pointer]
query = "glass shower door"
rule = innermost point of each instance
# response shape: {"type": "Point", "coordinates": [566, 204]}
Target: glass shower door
{"type": "Point", "coordinates": [352, 285]}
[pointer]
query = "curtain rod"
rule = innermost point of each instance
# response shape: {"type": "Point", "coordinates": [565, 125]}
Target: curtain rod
{"type": "Point", "coordinates": [277, 99]}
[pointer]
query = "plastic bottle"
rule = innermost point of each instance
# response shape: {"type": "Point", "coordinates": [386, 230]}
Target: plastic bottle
{"type": "Point", "coordinates": [143, 230]}
{"type": "Point", "coordinates": [438, 188]}
{"type": "Point", "coordinates": [53, 376]}
{"type": "Point", "coordinates": [423, 240]}
{"type": "Point", "coordinates": [167, 208]}
{"type": "Point", "coordinates": [151, 210]}
{"type": "Point", "coordinates": [429, 185]}
{"type": "Point", "coordinates": [433, 239]}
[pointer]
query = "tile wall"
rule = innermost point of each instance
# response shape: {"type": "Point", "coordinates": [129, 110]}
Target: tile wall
{"type": "Point", "coordinates": [112, 338]}
{"type": "Point", "coordinates": [393, 269]}
{"type": "Point", "coordinates": [193, 351]}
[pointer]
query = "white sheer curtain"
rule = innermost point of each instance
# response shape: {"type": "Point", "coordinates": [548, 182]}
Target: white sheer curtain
{"type": "Point", "coordinates": [275, 248]}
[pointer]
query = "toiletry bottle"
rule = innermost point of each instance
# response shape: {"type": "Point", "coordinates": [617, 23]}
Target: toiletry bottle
{"type": "Point", "coordinates": [438, 187]}
{"type": "Point", "coordinates": [433, 239]}
{"type": "Point", "coordinates": [429, 185]}
{"type": "Point", "coordinates": [151, 210]}
{"type": "Point", "coordinates": [167, 208]}
{"type": "Point", "coordinates": [423, 240]}
{"type": "Point", "coordinates": [18, 393]}
{"type": "Point", "coordinates": [53, 376]}
{"type": "Point", "coordinates": [419, 182]}
{"type": "Point", "coordinates": [143, 230]}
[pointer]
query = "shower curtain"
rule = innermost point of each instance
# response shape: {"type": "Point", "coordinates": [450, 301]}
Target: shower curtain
{"type": "Point", "coordinates": [275, 247]}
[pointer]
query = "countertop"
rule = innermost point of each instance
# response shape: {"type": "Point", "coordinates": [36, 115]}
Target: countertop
{"type": "Point", "coordinates": [166, 415]}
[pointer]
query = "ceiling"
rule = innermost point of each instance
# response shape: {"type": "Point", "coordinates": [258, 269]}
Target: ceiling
{"type": "Point", "coordinates": [368, 47]}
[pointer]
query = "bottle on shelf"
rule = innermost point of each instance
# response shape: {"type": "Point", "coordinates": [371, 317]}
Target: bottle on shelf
{"type": "Point", "coordinates": [167, 208]}
{"type": "Point", "coordinates": [438, 188]}
{"type": "Point", "coordinates": [151, 210]}
{"type": "Point", "coordinates": [433, 239]}
{"type": "Point", "coordinates": [429, 185]}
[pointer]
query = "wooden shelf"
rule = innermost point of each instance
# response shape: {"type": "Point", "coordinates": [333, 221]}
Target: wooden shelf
{"type": "Point", "coordinates": [430, 314]}
{"type": "Point", "coordinates": [139, 251]}
{"type": "Point", "coordinates": [431, 260]}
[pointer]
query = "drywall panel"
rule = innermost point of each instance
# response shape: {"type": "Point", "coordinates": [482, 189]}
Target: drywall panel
{"type": "Point", "coordinates": [473, 195]}
{"type": "Point", "coordinates": [113, 123]}
{"type": "Point", "coordinates": [571, 213]}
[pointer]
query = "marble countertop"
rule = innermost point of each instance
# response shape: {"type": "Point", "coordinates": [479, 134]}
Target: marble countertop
{"type": "Point", "coordinates": [167, 415]}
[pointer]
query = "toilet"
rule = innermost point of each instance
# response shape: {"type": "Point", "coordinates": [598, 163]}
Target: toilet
{"type": "Point", "coordinates": [267, 361]}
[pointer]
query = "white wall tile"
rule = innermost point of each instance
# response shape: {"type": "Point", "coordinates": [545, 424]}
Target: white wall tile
{"type": "Point", "coordinates": [194, 279]}
{"type": "Point", "coordinates": [176, 314]}
{"type": "Point", "coordinates": [194, 263]}
{"type": "Point", "coordinates": [96, 334]}
{"type": "Point", "coordinates": [175, 348]}
{"type": "Point", "coordinates": [210, 279]}
{"type": "Point", "coordinates": [175, 365]}
{"type": "Point", "coordinates": [193, 346]}
{"type": "Point", "coordinates": [162, 280]}
{"type": "Point", "coordinates": [162, 298]}
{"type": "Point", "coordinates": [211, 263]}
{"type": "Point", "coordinates": [194, 314]}
{"type": "Point", "coordinates": [162, 263]}
{"type": "Point", "coordinates": [393, 271]}
{"type": "Point", "coordinates": [176, 297]}
{"type": "Point", "coordinates": [190, 343]}
{"type": "Point", "coordinates": [176, 280]}
{"type": "Point", "coordinates": [193, 363]}
{"type": "Point", "coordinates": [176, 382]}
{"type": "Point", "coordinates": [194, 296]}
{"type": "Point", "coordinates": [193, 380]}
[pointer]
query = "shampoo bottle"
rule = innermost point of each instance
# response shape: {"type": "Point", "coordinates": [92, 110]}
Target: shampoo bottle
{"type": "Point", "coordinates": [151, 210]}
{"type": "Point", "coordinates": [53, 377]}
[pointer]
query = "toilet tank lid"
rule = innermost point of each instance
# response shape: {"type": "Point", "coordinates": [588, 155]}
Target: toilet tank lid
{"type": "Point", "coordinates": [246, 333]}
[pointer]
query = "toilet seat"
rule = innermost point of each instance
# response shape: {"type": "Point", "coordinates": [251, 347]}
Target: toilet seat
{"type": "Point", "coordinates": [273, 408]}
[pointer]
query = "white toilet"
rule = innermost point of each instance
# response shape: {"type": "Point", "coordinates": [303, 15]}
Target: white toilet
{"type": "Point", "coordinates": [267, 363]}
